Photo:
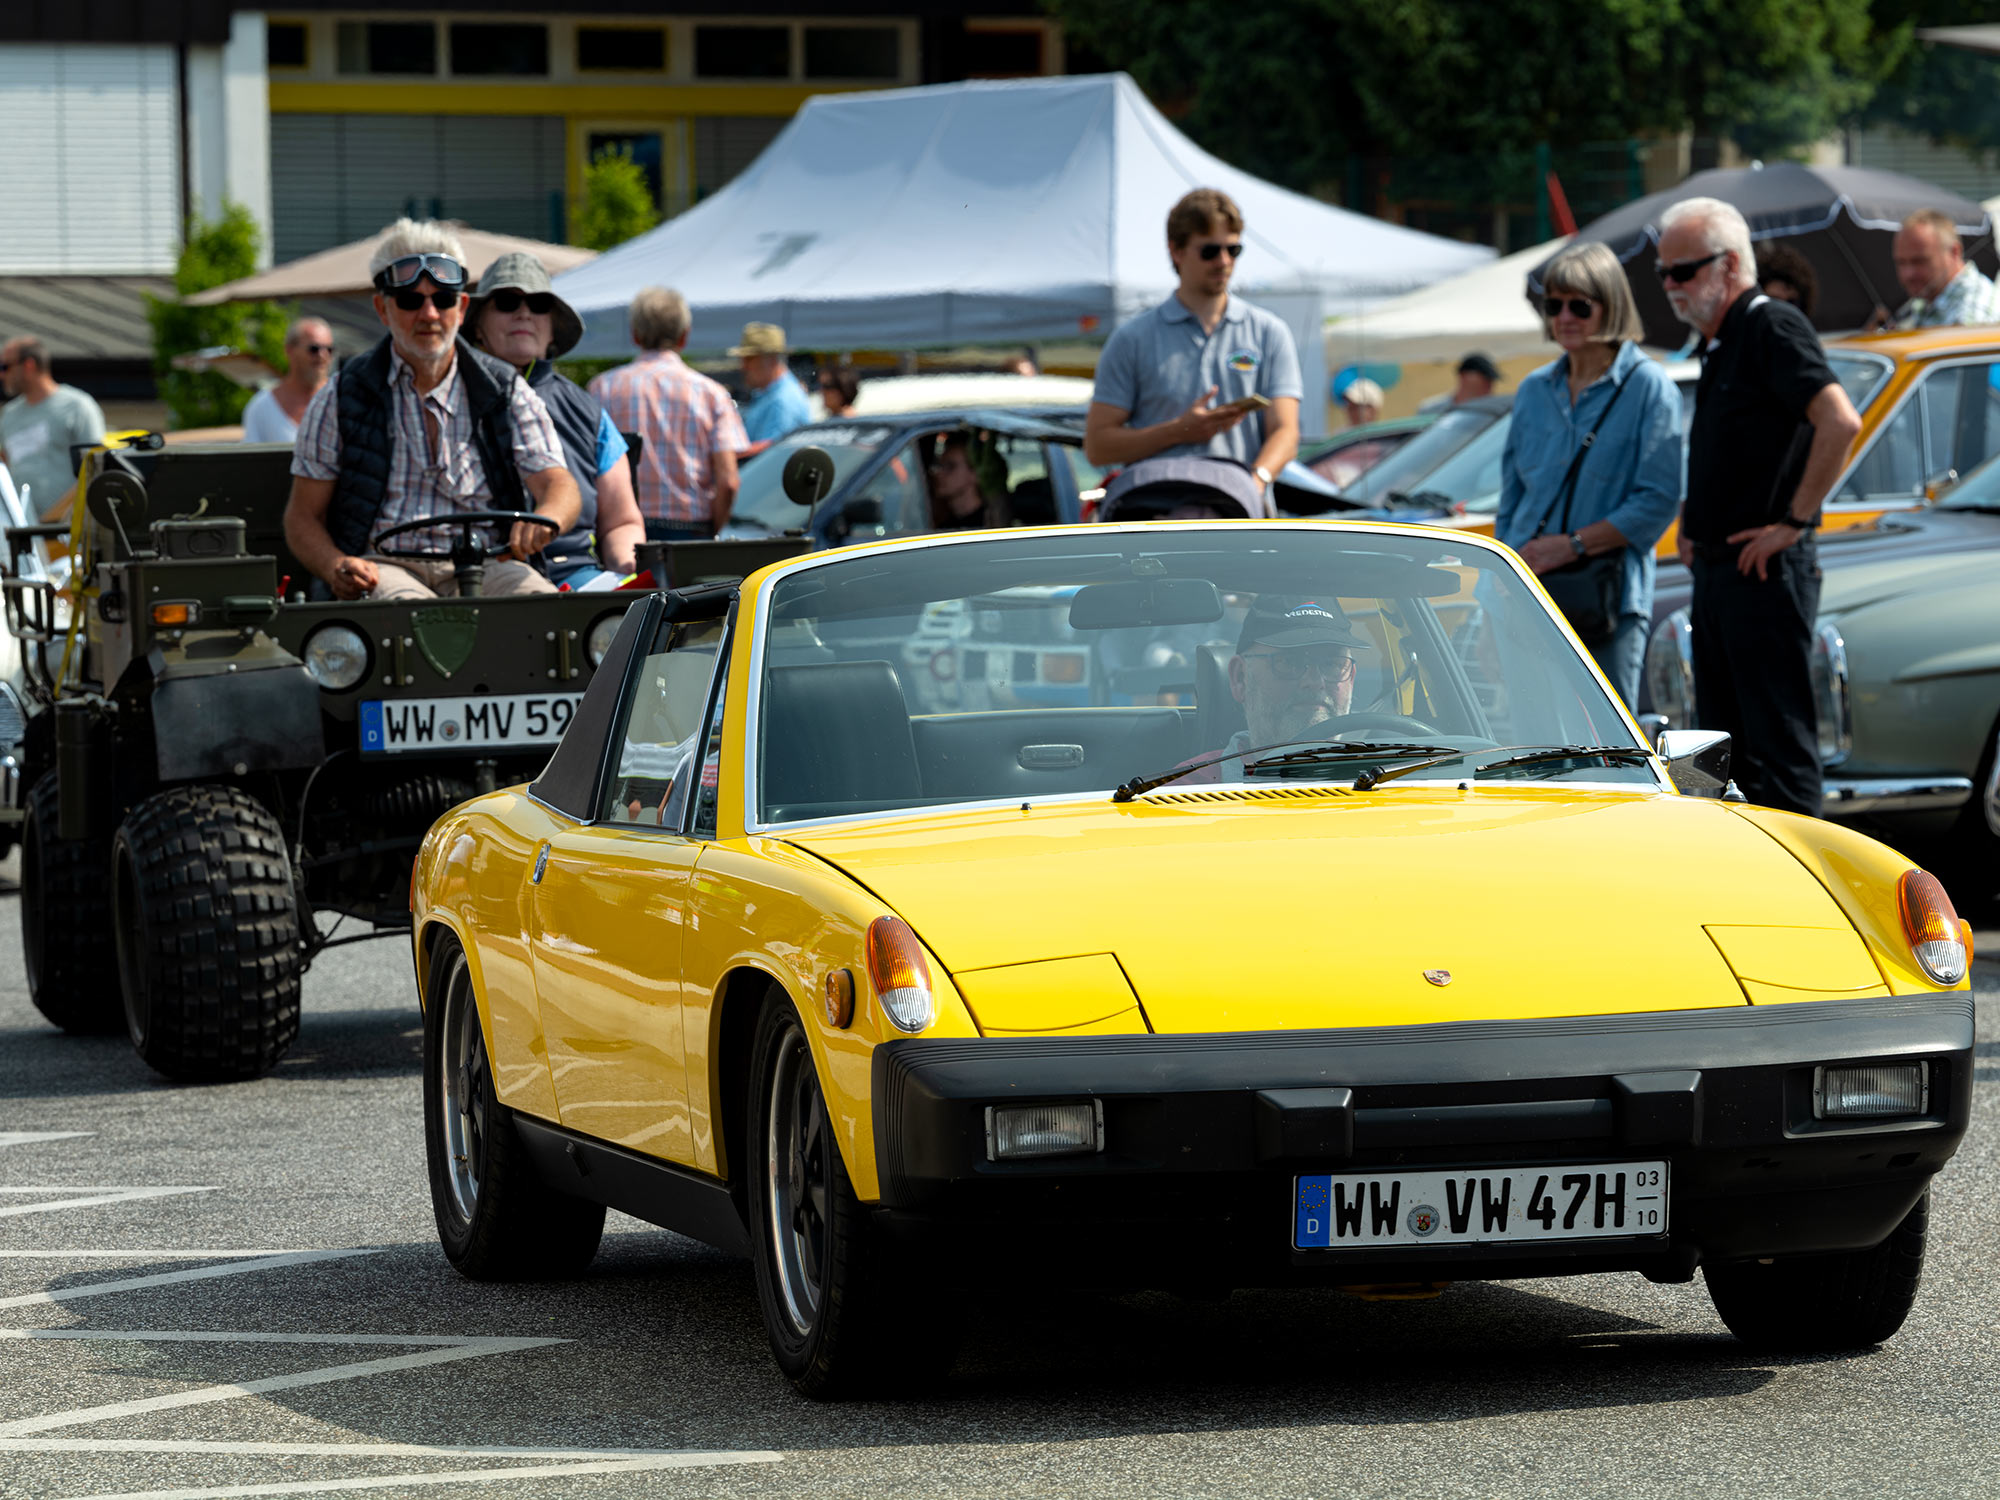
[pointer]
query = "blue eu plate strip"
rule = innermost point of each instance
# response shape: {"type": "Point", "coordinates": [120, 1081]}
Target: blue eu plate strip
{"type": "Point", "coordinates": [371, 725]}
{"type": "Point", "coordinates": [1314, 1227]}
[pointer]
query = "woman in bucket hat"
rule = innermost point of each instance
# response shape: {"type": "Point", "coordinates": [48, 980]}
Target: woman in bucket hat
{"type": "Point", "coordinates": [517, 316]}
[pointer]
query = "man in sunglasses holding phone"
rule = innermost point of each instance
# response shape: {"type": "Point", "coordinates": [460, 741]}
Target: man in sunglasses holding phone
{"type": "Point", "coordinates": [1203, 374]}
{"type": "Point", "coordinates": [274, 413]}
{"type": "Point", "coordinates": [1771, 429]}
{"type": "Point", "coordinates": [423, 425]}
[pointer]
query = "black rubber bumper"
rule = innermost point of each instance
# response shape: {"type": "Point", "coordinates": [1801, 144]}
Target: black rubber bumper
{"type": "Point", "coordinates": [1204, 1136]}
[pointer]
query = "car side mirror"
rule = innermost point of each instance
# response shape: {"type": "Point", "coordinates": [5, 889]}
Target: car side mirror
{"type": "Point", "coordinates": [808, 476]}
{"type": "Point", "coordinates": [862, 510]}
{"type": "Point", "coordinates": [1697, 760]}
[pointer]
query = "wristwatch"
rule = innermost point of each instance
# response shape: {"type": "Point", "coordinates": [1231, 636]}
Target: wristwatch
{"type": "Point", "coordinates": [1265, 475]}
{"type": "Point", "coordinates": [1788, 519]}
{"type": "Point", "coordinates": [1576, 541]}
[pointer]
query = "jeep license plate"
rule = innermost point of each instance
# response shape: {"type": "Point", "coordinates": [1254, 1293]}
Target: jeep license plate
{"type": "Point", "coordinates": [394, 727]}
{"type": "Point", "coordinates": [1600, 1200]}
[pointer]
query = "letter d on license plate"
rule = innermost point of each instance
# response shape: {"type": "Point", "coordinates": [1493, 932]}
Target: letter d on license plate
{"type": "Point", "coordinates": [483, 722]}
{"type": "Point", "coordinates": [1598, 1200]}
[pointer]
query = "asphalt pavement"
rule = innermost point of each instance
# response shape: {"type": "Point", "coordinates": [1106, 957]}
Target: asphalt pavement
{"type": "Point", "coordinates": [236, 1291]}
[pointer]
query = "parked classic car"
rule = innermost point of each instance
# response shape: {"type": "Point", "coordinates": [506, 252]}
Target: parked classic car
{"type": "Point", "coordinates": [1343, 457]}
{"type": "Point", "coordinates": [750, 959]}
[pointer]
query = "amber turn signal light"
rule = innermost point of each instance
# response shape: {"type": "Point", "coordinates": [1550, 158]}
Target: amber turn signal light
{"type": "Point", "coordinates": [840, 999]}
{"type": "Point", "coordinates": [176, 614]}
{"type": "Point", "coordinates": [1938, 940]}
{"type": "Point", "coordinates": [897, 970]}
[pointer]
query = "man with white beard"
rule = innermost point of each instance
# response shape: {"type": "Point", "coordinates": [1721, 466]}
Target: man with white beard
{"type": "Point", "coordinates": [1771, 429]}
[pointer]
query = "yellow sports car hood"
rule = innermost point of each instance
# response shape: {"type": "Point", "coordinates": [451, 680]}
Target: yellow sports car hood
{"type": "Point", "coordinates": [1308, 907]}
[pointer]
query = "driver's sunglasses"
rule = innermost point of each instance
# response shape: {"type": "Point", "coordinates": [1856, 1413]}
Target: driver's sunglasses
{"type": "Point", "coordinates": [510, 300]}
{"type": "Point", "coordinates": [1579, 307]}
{"type": "Point", "coordinates": [1210, 251]}
{"type": "Point", "coordinates": [1683, 271]}
{"type": "Point", "coordinates": [411, 268]}
{"type": "Point", "coordinates": [410, 301]}
{"type": "Point", "coordinates": [1290, 666]}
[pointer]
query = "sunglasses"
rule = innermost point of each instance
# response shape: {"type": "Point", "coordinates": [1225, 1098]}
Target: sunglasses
{"type": "Point", "coordinates": [440, 268]}
{"type": "Point", "coordinates": [1685, 270]}
{"type": "Point", "coordinates": [316, 348]}
{"type": "Point", "coordinates": [1209, 252]}
{"type": "Point", "coordinates": [1579, 307]}
{"type": "Point", "coordinates": [508, 300]}
{"type": "Point", "coordinates": [1290, 666]}
{"type": "Point", "coordinates": [410, 301]}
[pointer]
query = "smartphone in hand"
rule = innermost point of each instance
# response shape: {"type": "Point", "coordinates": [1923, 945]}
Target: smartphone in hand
{"type": "Point", "coordinates": [1250, 403]}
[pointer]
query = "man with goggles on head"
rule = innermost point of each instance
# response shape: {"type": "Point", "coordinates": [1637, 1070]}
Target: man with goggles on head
{"type": "Point", "coordinates": [1204, 374]}
{"type": "Point", "coordinates": [1293, 672]}
{"type": "Point", "coordinates": [423, 425]}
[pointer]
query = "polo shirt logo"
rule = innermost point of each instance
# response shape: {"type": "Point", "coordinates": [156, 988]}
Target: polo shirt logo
{"type": "Point", "coordinates": [1243, 361]}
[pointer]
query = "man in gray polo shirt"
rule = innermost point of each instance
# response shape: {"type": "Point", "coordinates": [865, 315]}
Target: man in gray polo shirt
{"type": "Point", "coordinates": [1165, 379]}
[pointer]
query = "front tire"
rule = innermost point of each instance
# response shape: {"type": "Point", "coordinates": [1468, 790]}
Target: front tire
{"type": "Point", "coordinates": [1815, 1303]}
{"type": "Point", "coordinates": [207, 933]}
{"type": "Point", "coordinates": [496, 1219]}
{"type": "Point", "coordinates": [65, 913]}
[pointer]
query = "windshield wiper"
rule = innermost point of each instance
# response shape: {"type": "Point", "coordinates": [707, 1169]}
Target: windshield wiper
{"type": "Point", "coordinates": [1627, 755]}
{"type": "Point", "coordinates": [1421, 500]}
{"type": "Point", "coordinates": [1318, 751]}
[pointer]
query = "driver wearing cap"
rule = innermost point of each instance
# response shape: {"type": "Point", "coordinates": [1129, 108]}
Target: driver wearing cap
{"type": "Point", "coordinates": [423, 425]}
{"type": "Point", "coordinates": [1293, 672]}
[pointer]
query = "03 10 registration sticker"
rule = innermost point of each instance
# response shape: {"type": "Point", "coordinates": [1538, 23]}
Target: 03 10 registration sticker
{"type": "Point", "coordinates": [1595, 1201]}
{"type": "Point", "coordinates": [389, 727]}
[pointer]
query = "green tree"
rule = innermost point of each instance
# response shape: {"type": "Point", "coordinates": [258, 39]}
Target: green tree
{"type": "Point", "coordinates": [214, 253]}
{"type": "Point", "coordinates": [1946, 93]}
{"type": "Point", "coordinates": [1294, 90]}
{"type": "Point", "coordinates": [617, 203]}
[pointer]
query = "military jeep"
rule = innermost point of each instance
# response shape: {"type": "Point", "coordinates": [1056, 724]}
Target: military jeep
{"type": "Point", "coordinates": [220, 772]}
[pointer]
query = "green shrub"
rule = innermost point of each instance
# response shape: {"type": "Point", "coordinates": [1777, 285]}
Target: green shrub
{"type": "Point", "coordinates": [616, 204]}
{"type": "Point", "coordinates": [214, 253]}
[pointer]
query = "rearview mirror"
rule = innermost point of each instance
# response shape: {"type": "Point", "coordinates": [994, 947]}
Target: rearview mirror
{"type": "Point", "coordinates": [808, 476]}
{"type": "Point", "coordinates": [1145, 601]}
{"type": "Point", "coordinates": [1697, 760]}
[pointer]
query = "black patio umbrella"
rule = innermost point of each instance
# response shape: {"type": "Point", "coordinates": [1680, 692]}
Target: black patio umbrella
{"type": "Point", "coordinates": [1841, 219]}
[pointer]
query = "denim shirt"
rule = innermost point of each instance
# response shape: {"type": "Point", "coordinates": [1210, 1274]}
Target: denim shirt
{"type": "Point", "coordinates": [1631, 478]}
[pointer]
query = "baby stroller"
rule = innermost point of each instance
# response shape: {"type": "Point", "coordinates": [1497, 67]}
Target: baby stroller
{"type": "Point", "coordinates": [1186, 488]}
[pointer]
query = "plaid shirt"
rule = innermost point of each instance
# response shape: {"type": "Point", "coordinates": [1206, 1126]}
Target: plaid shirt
{"type": "Point", "coordinates": [1968, 298]}
{"type": "Point", "coordinates": [685, 418]}
{"type": "Point", "coordinates": [419, 486]}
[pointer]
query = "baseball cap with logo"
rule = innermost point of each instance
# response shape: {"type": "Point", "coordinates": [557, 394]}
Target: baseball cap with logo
{"type": "Point", "coordinates": [1282, 621]}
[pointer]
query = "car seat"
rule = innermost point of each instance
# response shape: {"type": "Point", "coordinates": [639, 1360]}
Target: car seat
{"type": "Point", "coordinates": [837, 734]}
{"type": "Point", "coordinates": [1218, 716]}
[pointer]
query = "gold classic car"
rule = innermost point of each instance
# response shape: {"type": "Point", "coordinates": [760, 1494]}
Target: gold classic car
{"type": "Point", "coordinates": [855, 926]}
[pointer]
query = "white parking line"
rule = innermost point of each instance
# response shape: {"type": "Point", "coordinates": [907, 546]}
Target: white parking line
{"type": "Point", "coordinates": [31, 1137]}
{"type": "Point", "coordinates": [170, 1278]}
{"type": "Point", "coordinates": [689, 1460]}
{"type": "Point", "coordinates": [145, 1254]}
{"type": "Point", "coordinates": [95, 1196]}
{"type": "Point", "coordinates": [197, 1447]}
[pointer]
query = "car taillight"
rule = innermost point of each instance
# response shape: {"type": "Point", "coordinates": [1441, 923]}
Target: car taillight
{"type": "Point", "coordinates": [901, 978]}
{"type": "Point", "coordinates": [1937, 939]}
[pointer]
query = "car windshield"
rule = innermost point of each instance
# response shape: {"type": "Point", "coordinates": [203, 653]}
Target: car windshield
{"type": "Point", "coordinates": [1065, 664]}
{"type": "Point", "coordinates": [762, 504]}
{"type": "Point", "coordinates": [1470, 479]}
{"type": "Point", "coordinates": [1862, 376]}
{"type": "Point", "coordinates": [1407, 466]}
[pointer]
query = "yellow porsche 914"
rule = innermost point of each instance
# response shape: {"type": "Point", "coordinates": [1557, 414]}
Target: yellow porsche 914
{"type": "Point", "coordinates": [1085, 903]}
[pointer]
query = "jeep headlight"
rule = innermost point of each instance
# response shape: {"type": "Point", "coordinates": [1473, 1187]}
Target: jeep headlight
{"type": "Point", "coordinates": [336, 657]}
{"type": "Point", "coordinates": [1829, 682]}
{"type": "Point", "coordinates": [1670, 669]}
{"type": "Point", "coordinates": [602, 634]}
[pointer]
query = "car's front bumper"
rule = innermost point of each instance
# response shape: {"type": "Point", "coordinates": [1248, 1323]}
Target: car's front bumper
{"type": "Point", "coordinates": [1204, 1135]}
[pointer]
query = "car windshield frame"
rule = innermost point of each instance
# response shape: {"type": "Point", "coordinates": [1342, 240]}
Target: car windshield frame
{"type": "Point", "coordinates": [1415, 460]}
{"type": "Point", "coordinates": [1470, 458]}
{"type": "Point", "coordinates": [748, 766]}
{"type": "Point", "coordinates": [1871, 376]}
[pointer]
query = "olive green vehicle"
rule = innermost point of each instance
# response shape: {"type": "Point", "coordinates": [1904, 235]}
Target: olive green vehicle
{"type": "Point", "coordinates": [217, 773]}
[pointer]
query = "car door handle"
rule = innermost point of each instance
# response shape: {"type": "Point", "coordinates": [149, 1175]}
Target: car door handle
{"type": "Point", "coordinates": [541, 864]}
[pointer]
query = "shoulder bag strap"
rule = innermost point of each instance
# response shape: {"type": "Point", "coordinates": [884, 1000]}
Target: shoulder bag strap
{"type": "Point", "coordinates": [1568, 491]}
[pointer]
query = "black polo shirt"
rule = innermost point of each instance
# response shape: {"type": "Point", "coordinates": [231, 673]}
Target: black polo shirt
{"type": "Point", "coordinates": [1747, 448]}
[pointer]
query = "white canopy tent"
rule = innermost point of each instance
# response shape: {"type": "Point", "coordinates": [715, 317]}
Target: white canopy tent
{"type": "Point", "coordinates": [1485, 309]}
{"type": "Point", "coordinates": [985, 212]}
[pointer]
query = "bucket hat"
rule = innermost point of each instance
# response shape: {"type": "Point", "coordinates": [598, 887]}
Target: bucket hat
{"type": "Point", "coordinates": [760, 338]}
{"type": "Point", "coordinates": [521, 272]}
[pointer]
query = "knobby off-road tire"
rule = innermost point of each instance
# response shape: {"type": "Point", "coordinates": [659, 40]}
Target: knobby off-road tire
{"type": "Point", "coordinates": [825, 1276]}
{"type": "Point", "coordinates": [496, 1220]}
{"type": "Point", "coordinates": [1825, 1302]}
{"type": "Point", "coordinates": [207, 925]}
{"type": "Point", "coordinates": [66, 921]}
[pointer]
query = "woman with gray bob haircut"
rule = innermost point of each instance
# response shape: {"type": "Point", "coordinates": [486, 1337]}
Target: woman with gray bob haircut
{"type": "Point", "coordinates": [1591, 475]}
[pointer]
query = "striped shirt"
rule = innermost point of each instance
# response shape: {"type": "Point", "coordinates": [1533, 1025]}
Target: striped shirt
{"type": "Point", "coordinates": [685, 419]}
{"type": "Point", "coordinates": [419, 485]}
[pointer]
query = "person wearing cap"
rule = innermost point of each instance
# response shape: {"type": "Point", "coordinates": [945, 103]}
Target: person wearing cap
{"type": "Point", "coordinates": [1477, 375]}
{"type": "Point", "coordinates": [1362, 401]}
{"type": "Point", "coordinates": [1293, 672]}
{"type": "Point", "coordinates": [517, 315]}
{"type": "Point", "coordinates": [422, 425]}
{"type": "Point", "coordinates": [1178, 380]}
{"type": "Point", "coordinates": [777, 403]}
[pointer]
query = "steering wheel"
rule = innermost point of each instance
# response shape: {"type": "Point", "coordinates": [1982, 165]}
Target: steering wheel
{"type": "Point", "coordinates": [468, 558]}
{"type": "Point", "coordinates": [1395, 723]}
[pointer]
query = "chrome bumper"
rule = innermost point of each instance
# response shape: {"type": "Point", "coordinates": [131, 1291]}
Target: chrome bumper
{"type": "Point", "coordinates": [1883, 794]}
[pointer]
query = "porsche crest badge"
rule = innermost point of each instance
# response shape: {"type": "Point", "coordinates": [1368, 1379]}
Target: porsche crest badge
{"type": "Point", "coordinates": [1438, 977]}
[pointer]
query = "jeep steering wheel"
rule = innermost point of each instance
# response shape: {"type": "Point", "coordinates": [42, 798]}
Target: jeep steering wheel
{"type": "Point", "coordinates": [467, 556]}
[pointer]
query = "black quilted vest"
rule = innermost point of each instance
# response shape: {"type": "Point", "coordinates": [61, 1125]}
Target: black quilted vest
{"type": "Point", "coordinates": [368, 437]}
{"type": "Point", "coordinates": [575, 412]}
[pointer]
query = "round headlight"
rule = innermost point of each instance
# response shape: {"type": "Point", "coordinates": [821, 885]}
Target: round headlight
{"type": "Point", "coordinates": [602, 634]}
{"type": "Point", "coordinates": [336, 657]}
{"type": "Point", "coordinates": [1670, 669]}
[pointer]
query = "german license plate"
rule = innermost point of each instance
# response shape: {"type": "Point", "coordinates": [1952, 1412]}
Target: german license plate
{"type": "Point", "coordinates": [1482, 1206]}
{"type": "Point", "coordinates": [486, 722]}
